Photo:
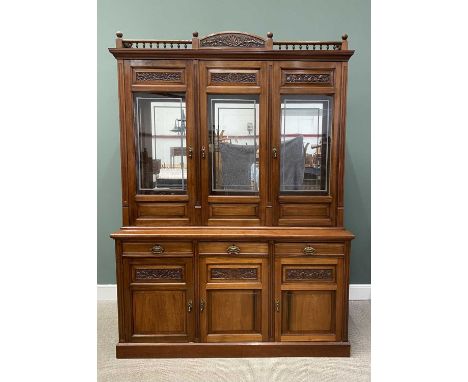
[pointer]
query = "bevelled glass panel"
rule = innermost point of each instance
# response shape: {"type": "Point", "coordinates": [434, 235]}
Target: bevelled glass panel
{"type": "Point", "coordinates": [161, 143]}
{"type": "Point", "coordinates": [234, 144]}
{"type": "Point", "coordinates": [305, 144]}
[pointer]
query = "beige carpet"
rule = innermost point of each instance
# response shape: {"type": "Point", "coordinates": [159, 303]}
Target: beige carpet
{"type": "Point", "coordinates": [355, 368]}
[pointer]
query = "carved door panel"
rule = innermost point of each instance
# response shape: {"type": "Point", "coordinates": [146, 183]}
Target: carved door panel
{"type": "Point", "coordinates": [233, 139]}
{"type": "Point", "coordinates": [159, 299]}
{"type": "Point", "coordinates": [159, 180]}
{"type": "Point", "coordinates": [233, 299]}
{"type": "Point", "coordinates": [306, 109]}
{"type": "Point", "coordinates": [308, 299]}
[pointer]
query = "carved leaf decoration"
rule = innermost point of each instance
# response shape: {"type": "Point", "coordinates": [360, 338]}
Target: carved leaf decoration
{"type": "Point", "coordinates": [234, 273]}
{"type": "Point", "coordinates": [234, 77]}
{"type": "Point", "coordinates": [308, 78]}
{"type": "Point", "coordinates": [309, 274]}
{"type": "Point", "coordinates": [159, 274]}
{"type": "Point", "coordinates": [232, 40]}
{"type": "Point", "coordinates": [158, 76]}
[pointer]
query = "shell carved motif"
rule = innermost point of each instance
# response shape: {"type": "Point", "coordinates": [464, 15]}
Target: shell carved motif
{"type": "Point", "coordinates": [232, 40]}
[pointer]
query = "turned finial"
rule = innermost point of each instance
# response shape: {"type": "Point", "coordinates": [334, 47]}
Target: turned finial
{"type": "Point", "coordinates": [270, 34]}
{"type": "Point", "coordinates": [344, 37]}
{"type": "Point", "coordinates": [195, 34]}
{"type": "Point", "coordinates": [119, 34]}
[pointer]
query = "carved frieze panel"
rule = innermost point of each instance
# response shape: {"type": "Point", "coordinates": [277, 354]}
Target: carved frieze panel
{"type": "Point", "coordinates": [316, 78]}
{"type": "Point", "coordinates": [234, 273]}
{"type": "Point", "coordinates": [233, 77]}
{"type": "Point", "coordinates": [307, 274]}
{"type": "Point", "coordinates": [159, 274]}
{"type": "Point", "coordinates": [232, 40]}
{"type": "Point", "coordinates": [158, 76]}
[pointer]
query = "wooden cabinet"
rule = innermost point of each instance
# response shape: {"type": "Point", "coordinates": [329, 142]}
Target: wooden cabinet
{"type": "Point", "coordinates": [160, 296]}
{"type": "Point", "coordinates": [234, 299]}
{"type": "Point", "coordinates": [232, 159]}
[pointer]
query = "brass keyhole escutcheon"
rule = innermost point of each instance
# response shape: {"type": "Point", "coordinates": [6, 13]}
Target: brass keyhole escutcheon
{"type": "Point", "coordinates": [277, 305]}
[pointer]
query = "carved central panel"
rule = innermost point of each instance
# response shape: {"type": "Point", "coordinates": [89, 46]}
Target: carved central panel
{"type": "Point", "coordinates": [309, 274]}
{"type": "Point", "coordinates": [250, 78]}
{"type": "Point", "coordinates": [232, 40]}
{"type": "Point", "coordinates": [159, 274]}
{"type": "Point", "coordinates": [313, 78]}
{"type": "Point", "coordinates": [234, 273]}
{"type": "Point", "coordinates": [158, 76]}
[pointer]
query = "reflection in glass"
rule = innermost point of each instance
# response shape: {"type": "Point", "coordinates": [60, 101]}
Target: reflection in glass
{"type": "Point", "coordinates": [233, 149]}
{"type": "Point", "coordinates": [161, 143]}
{"type": "Point", "coordinates": [305, 142]}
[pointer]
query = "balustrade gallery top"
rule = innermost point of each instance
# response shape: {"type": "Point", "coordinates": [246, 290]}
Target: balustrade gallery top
{"type": "Point", "coordinates": [235, 41]}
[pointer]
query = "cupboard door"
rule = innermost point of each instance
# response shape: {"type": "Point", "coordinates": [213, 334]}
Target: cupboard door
{"type": "Point", "coordinates": [308, 299]}
{"type": "Point", "coordinates": [233, 112]}
{"type": "Point", "coordinates": [233, 299]}
{"type": "Point", "coordinates": [305, 137]}
{"type": "Point", "coordinates": [160, 142]}
{"type": "Point", "coordinates": [159, 298]}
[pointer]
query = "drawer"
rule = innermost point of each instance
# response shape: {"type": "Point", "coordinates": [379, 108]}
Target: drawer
{"type": "Point", "coordinates": [233, 248]}
{"type": "Point", "coordinates": [309, 249]}
{"type": "Point", "coordinates": [157, 248]}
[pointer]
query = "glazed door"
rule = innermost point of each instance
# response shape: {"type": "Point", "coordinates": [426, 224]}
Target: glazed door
{"type": "Point", "coordinates": [233, 111]}
{"type": "Point", "coordinates": [159, 294]}
{"type": "Point", "coordinates": [305, 136]}
{"type": "Point", "coordinates": [308, 299]}
{"type": "Point", "coordinates": [160, 143]}
{"type": "Point", "coordinates": [233, 299]}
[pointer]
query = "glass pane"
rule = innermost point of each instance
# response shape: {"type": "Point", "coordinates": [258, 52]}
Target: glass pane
{"type": "Point", "coordinates": [161, 143]}
{"type": "Point", "coordinates": [305, 143]}
{"type": "Point", "coordinates": [233, 150]}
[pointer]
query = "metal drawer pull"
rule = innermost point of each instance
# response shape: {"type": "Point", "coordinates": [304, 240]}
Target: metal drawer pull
{"type": "Point", "coordinates": [308, 250]}
{"type": "Point", "coordinates": [277, 305]}
{"type": "Point", "coordinates": [233, 250]}
{"type": "Point", "coordinates": [202, 305]}
{"type": "Point", "coordinates": [190, 306]}
{"type": "Point", "coordinates": [157, 249]}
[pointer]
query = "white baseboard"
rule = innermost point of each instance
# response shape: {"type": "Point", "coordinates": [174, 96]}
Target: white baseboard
{"type": "Point", "coordinates": [356, 292]}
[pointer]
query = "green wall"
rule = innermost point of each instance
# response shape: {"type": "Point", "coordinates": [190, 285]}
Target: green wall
{"type": "Point", "coordinates": [288, 20]}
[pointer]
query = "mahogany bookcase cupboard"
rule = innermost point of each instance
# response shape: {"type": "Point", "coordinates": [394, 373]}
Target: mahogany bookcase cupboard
{"type": "Point", "coordinates": [232, 158]}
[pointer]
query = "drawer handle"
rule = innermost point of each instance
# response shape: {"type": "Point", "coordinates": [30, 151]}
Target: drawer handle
{"type": "Point", "coordinates": [157, 249]}
{"type": "Point", "coordinates": [309, 250]}
{"type": "Point", "coordinates": [233, 250]}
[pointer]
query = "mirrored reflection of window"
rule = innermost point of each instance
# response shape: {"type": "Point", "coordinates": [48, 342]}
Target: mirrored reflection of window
{"type": "Point", "coordinates": [305, 143]}
{"type": "Point", "coordinates": [234, 144]}
{"type": "Point", "coordinates": [161, 143]}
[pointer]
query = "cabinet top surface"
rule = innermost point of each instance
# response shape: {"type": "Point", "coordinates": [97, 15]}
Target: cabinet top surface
{"type": "Point", "coordinates": [203, 232]}
{"type": "Point", "coordinates": [232, 45]}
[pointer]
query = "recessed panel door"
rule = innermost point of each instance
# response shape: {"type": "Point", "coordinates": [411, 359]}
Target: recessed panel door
{"type": "Point", "coordinates": [233, 299]}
